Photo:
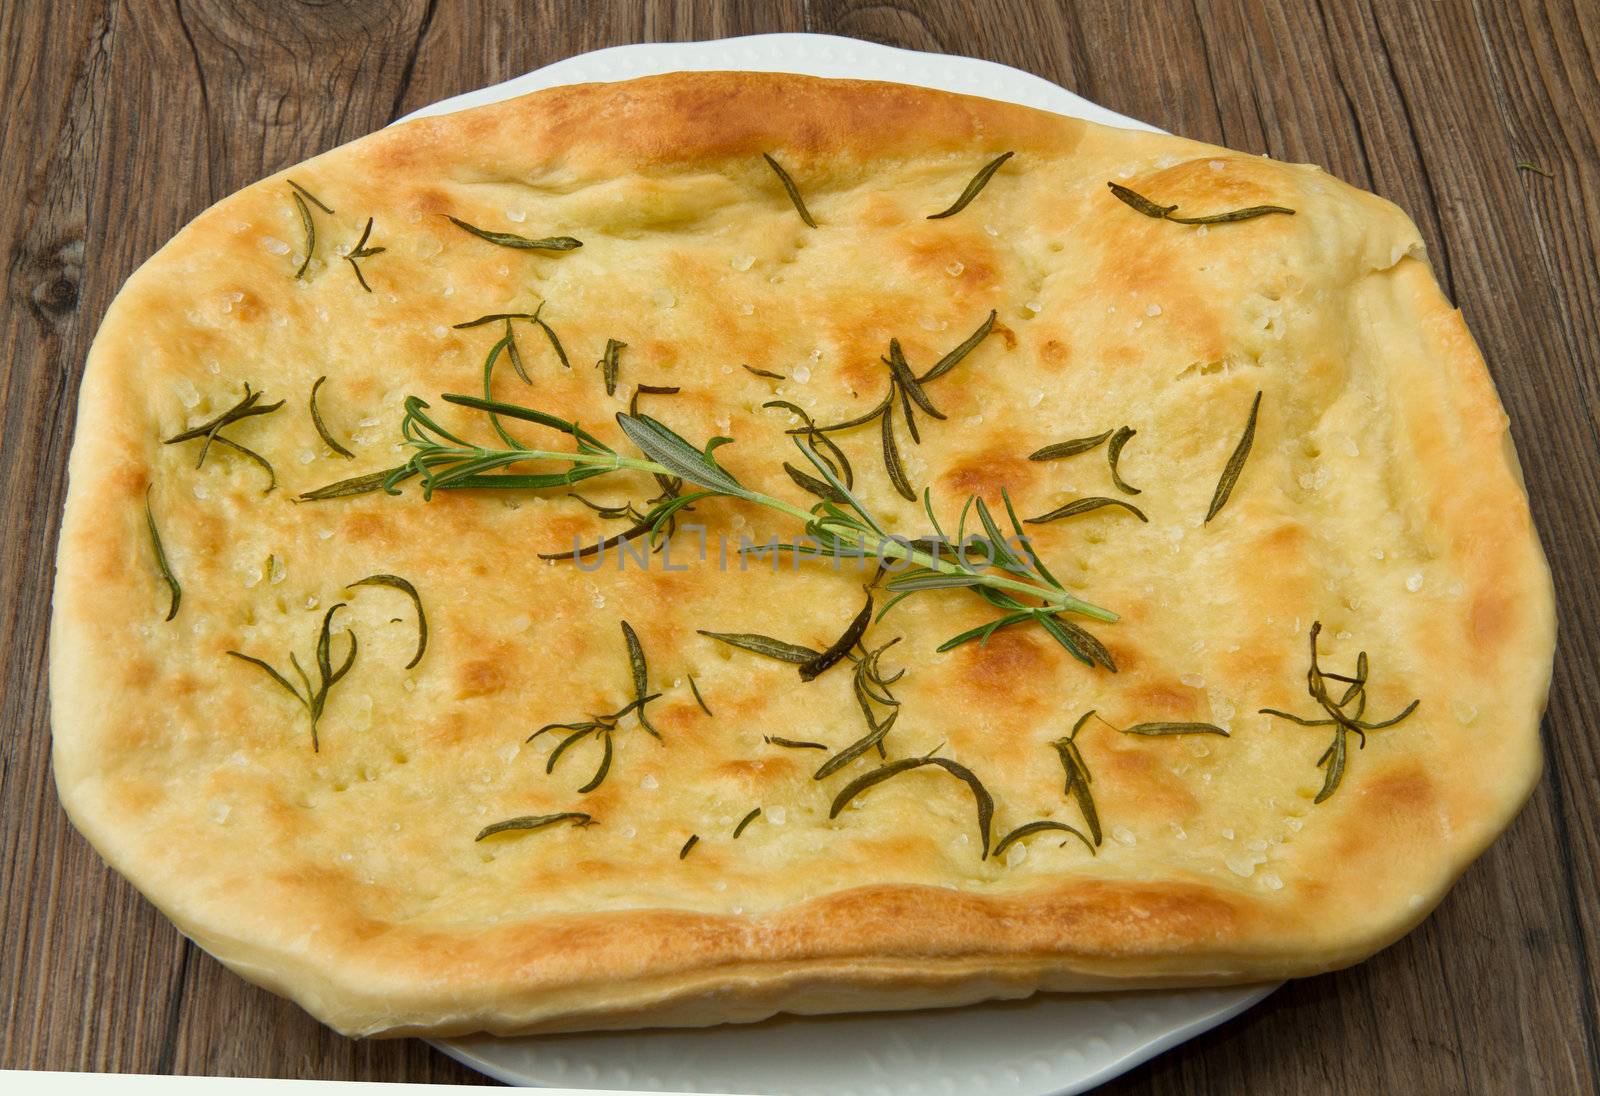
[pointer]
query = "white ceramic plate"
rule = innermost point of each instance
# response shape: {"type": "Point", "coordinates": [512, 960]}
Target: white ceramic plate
{"type": "Point", "coordinates": [1049, 1045]}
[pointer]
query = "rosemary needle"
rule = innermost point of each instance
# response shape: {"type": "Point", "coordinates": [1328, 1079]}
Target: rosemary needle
{"type": "Point", "coordinates": [793, 191]}
{"type": "Point", "coordinates": [1235, 465]}
{"type": "Point", "coordinates": [161, 557]}
{"type": "Point", "coordinates": [979, 181]}
{"type": "Point", "coordinates": [322, 428]}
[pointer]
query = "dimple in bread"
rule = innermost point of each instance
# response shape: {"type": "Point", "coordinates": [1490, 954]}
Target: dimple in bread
{"type": "Point", "coordinates": [1378, 497]}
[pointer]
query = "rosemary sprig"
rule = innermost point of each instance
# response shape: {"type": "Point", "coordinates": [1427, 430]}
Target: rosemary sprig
{"type": "Point", "coordinates": [792, 190]}
{"type": "Point", "coordinates": [1166, 213]}
{"type": "Point", "coordinates": [511, 239]}
{"type": "Point", "coordinates": [1335, 757]}
{"type": "Point", "coordinates": [322, 428]}
{"type": "Point", "coordinates": [979, 181]}
{"type": "Point", "coordinates": [1030, 828]}
{"type": "Point", "coordinates": [444, 461]}
{"type": "Point", "coordinates": [1084, 506]}
{"type": "Point", "coordinates": [1078, 777]}
{"type": "Point", "coordinates": [604, 726]}
{"type": "Point", "coordinates": [1235, 465]}
{"type": "Point", "coordinates": [608, 364]}
{"type": "Point", "coordinates": [694, 839]}
{"type": "Point", "coordinates": [161, 557]}
{"type": "Point", "coordinates": [315, 697]}
{"type": "Point", "coordinates": [247, 407]}
{"type": "Point", "coordinates": [362, 251]}
{"type": "Point", "coordinates": [755, 812]}
{"type": "Point", "coordinates": [980, 794]}
{"type": "Point", "coordinates": [529, 822]}
{"type": "Point", "coordinates": [405, 587]}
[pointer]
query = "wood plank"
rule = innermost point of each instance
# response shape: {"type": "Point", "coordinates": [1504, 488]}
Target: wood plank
{"type": "Point", "coordinates": [128, 118]}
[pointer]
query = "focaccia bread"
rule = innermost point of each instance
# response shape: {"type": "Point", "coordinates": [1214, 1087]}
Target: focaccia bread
{"type": "Point", "coordinates": [1261, 437]}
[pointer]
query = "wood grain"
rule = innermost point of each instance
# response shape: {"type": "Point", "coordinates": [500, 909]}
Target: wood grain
{"type": "Point", "coordinates": [126, 119]}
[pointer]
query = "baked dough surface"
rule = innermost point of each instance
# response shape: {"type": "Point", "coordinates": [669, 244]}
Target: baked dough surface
{"type": "Point", "coordinates": [1381, 497]}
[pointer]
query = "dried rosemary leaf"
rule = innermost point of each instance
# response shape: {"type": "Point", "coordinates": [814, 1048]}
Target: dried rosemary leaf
{"type": "Point", "coordinates": [1166, 213]}
{"type": "Point", "coordinates": [1157, 729]}
{"type": "Point", "coordinates": [161, 557]}
{"type": "Point", "coordinates": [534, 822]}
{"type": "Point", "coordinates": [767, 373]}
{"type": "Point", "coordinates": [979, 181]}
{"type": "Point", "coordinates": [980, 794]}
{"type": "Point", "coordinates": [1031, 828]}
{"type": "Point", "coordinates": [755, 813]}
{"type": "Point", "coordinates": [793, 191]}
{"type": "Point", "coordinates": [357, 485]}
{"type": "Point", "coordinates": [813, 668]}
{"type": "Point", "coordinates": [641, 674]}
{"type": "Point", "coordinates": [891, 458]}
{"type": "Point", "coordinates": [322, 429]}
{"type": "Point", "coordinates": [511, 239]}
{"type": "Point", "coordinates": [1123, 435]}
{"type": "Point", "coordinates": [397, 583]}
{"type": "Point", "coordinates": [694, 839]}
{"type": "Point", "coordinates": [608, 364]}
{"type": "Point", "coordinates": [1069, 448]}
{"type": "Point", "coordinates": [362, 251]}
{"type": "Point", "coordinates": [1235, 465]}
{"type": "Point", "coordinates": [1084, 506]}
{"type": "Point", "coordinates": [765, 645]}
{"type": "Point", "coordinates": [793, 743]}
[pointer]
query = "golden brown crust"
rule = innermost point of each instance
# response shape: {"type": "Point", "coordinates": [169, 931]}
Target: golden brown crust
{"type": "Point", "coordinates": [1380, 497]}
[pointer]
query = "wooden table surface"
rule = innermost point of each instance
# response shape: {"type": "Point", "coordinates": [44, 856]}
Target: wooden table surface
{"type": "Point", "coordinates": [124, 120]}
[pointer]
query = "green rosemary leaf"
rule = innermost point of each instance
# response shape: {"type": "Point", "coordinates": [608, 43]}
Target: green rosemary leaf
{"type": "Point", "coordinates": [309, 227]}
{"type": "Point", "coordinates": [983, 631]}
{"type": "Point", "coordinates": [1031, 828]}
{"type": "Point", "coordinates": [322, 429]}
{"type": "Point", "coordinates": [526, 414]}
{"type": "Point", "coordinates": [266, 667]}
{"type": "Point", "coordinates": [873, 739]}
{"type": "Point", "coordinates": [511, 239]}
{"type": "Point", "coordinates": [493, 317]}
{"type": "Point", "coordinates": [698, 699]}
{"type": "Point", "coordinates": [1069, 448]}
{"type": "Point", "coordinates": [1153, 730]}
{"type": "Point", "coordinates": [979, 181]}
{"type": "Point", "coordinates": [550, 333]}
{"type": "Point", "coordinates": [405, 587]}
{"type": "Point", "coordinates": [357, 485]}
{"type": "Point", "coordinates": [765, 645]}
{"type": "Point", "coordinates": [834, 456]}
{"type": "Point", "coordinates": [161, 557]}
{"type": "Point", "coordinates": [767, 373]}
{"type": "Point", "coordinates": [980, 794]}
{"type": "Point", "coordinates": [1160, 212]}
{"type": "Point", "coordinates": [694, 839]}
{"type": "Point", "coordinates": [814, 668]}
{"type": "Point", "coordinates": [932, 580]}
{"type": "Point", "coordinates": [633, 532]}
{"type": "Point", "coordinates": [1528, 165]}
{"type": "Point", "coordinates": [318, 202]}
{"type": "Point", "coordinates": [266, 465]}
{"type": "Point", "coordinates": [534, 822]}
{"type": "Point", "coordinates": [247, 407]}
{"type": "Point", "coordinates": [1084, 506]}
{"type": "Point", "coordinates": [1235, 465]}
{"type": "Point", "coordinates": [793, 743]}
{"type": "Point", "coordinates": [1291, 717]}
{"type": "Point", "coordinates": [891, 459]}
{"type": "Point", "coordinates": [755, 812]}
{"type": "Point", "coordinates": [792, 190]}
{"type": "Point", "coordinates": [656, 441]}
{"type": "Point", "coordinates": [906, 410]}
{"type": "Point", "coordinates": [1079, 642]}
{"type": "Point", "coordinates": [820, 488]}
{"type": "Point", "coordinates": [362, 251]}
{"type": "Point", "coordinates": [955, 357]}
{"type": "Point", "coordinates": [579, 733]}
{"type": "Point", "coordinates": [1123, 435]}
{"type": "Point", "coordinates": [1078, 778]}
{"type": "Point", "coordinates": [1025, 543]}
{"type": "Point", "coordinates": [641, 674]}
{"type": "Point", "coordinates": [608, 364]}
{"type": "Point", "coordinates": [605, 764]}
